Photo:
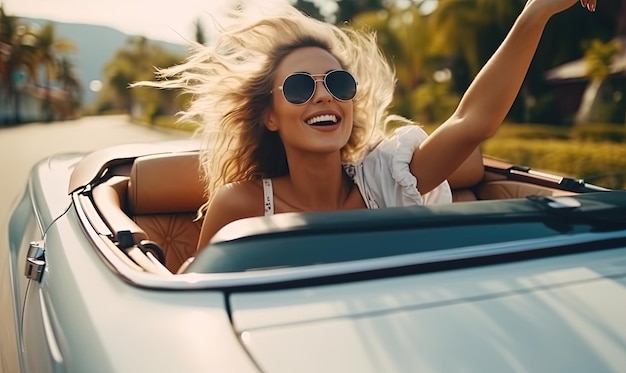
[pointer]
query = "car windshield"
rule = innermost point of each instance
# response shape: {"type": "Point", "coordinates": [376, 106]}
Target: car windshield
{"type": "Point", "coordinates": [476, 230]}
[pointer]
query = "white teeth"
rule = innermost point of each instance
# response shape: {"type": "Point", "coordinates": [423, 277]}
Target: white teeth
{"type": "Point", "coordinates": [322, 118]}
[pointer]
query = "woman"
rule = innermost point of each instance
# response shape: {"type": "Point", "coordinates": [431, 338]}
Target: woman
{"type": "Point", "coordinates": [294, 110]}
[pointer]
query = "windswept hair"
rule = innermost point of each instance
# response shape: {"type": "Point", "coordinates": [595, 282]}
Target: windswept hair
{"type": "Point", "coordinates": [232, 78]}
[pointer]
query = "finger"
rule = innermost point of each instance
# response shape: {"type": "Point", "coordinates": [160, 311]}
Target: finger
{"type": "Point", "coordinates": [589, 4]}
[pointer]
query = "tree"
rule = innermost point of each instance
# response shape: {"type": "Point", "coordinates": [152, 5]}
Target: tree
{"type": "Point", "coordinates": [137, 61]}
{"type": "Point", "coordinates": [200, 33]}
{"type": "Point", "coordinates": [470, 31]}
{"type": "Point", "coordinates": [346, 10]}
{"type": "Point", "coordinates": [46, 48]}
{"type": "Point", "coordinates": [599, 58]}
{"type": "Point", "coordinates": [307, 7]}
{"type": "Point", "coordinates": [70, 83]}
{"type": "Point", "coordinates": [29, 53]}
{"type": "Point", "coordinates": [21, 66]}
{"type": "Point", "coordinates": [8, 62]}
{"type": "Point", "coordinates": [402, 37]}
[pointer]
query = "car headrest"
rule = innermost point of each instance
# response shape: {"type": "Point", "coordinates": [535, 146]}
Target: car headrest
{"type": "Point", "coordinates": [165, 183]}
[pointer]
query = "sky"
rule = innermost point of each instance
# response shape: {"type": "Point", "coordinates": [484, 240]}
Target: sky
{"type": "Point", "coordinates": [155, 19]}
{"type": "Point", "coordinates": [171, 21]}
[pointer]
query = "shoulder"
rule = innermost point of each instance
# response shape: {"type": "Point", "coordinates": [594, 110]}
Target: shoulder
{"type": "Point", "coordinates": [238, 193]}
{"type": "Point", "coordinates": [238, 200]}
{"type": "Point", "coordinates": [398, 144]}
{"type": "Point", "coordinates": [408, 136]}
{"type": "Point", "coordinates": [394, 152]}
{"type": "Point", "coordinates": [231, 202]}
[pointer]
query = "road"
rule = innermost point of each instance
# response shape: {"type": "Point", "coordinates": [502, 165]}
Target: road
{"type": "Point", "coordinates": [21, 147]}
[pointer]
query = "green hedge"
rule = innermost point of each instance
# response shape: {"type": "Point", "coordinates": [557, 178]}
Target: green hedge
{"type": "Point", "coordinates": [595, 153]}
{"type": "Point", "coordinates": [601, 163]}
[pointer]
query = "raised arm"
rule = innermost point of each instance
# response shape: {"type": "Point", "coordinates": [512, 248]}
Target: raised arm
{"type": "Point", "coordinates": [488, 99]}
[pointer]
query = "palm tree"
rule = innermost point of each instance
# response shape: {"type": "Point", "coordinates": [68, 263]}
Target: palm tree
{"type": "Point", "coordinates": [127, 65]}
{"type": "Point", "coordinates": [70, 84]}
{"type": "Point", "coordinates": [345, 11]}
{"type": "Point", "coordinates": [47, 47]}
{"type": "Point", "coordinates": [7, 32]}
{"type": "Point", "coordinates": [471, 30]}
{"type": "Point", "coordinates": [9, 62]}
{"type": "Point", "coordinates": [20, 66]}
{"type": "Point", "coordinates": [403, 39]}
{"type": "Point", "coordinates": [136, 62]}
{"type": "Point", "coordinates": [25, 50]}
{"type": "Point", "coordinates": [599, 58]}
{"type": "Point", "coordinates": [44, 56]}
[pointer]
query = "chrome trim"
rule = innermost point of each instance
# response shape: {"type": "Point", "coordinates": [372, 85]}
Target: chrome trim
{"type": "Point", "coordinates": [53, 346]}
{"type": "Point", "coordinates": [197, 281]}
{"type": "Point", "coordinates": [32, 199]}
{"type": "Point", "coordinates": [34, 268]}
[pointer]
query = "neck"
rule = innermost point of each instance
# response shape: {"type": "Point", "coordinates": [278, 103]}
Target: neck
{"type": "Point", "coordinates": [318, 183]}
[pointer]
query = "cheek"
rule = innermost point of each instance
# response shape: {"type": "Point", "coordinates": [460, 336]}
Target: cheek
{"type": "Point", "coordinates": [286, 114]}
{"type": "Point", "coordinates": [278, 115]}
{"type": "Point", "coordinates": [348, 110]}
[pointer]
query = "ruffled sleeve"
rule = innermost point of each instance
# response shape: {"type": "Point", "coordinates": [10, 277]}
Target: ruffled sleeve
{"type": "Point", "coordinates": [384, 178]}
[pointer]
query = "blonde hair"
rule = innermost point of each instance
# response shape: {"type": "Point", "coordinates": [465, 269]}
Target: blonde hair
{"type": "Point", "coordinates": [231, 80]}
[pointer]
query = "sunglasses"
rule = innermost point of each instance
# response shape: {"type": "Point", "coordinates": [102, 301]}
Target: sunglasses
{"type": "Point", "coordinates": [298, 88]}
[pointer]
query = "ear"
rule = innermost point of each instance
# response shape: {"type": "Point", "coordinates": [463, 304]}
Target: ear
{"type": "Point", "coordinates": [269, 120]}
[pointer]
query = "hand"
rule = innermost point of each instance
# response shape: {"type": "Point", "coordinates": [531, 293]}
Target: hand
{"type": "Point", "coordinates": [557, 6]}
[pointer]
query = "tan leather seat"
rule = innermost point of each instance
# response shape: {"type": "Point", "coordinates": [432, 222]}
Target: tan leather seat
{"type": "Point", "coordinates": [507, 189]}
{"type": "Point", "coordinates": [164, 194]}
{"type": "Point", "coordinates": [110, 198]}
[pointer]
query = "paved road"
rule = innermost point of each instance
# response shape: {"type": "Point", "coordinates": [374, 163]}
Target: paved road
{"type": "Point", "coordinates": [20, 148]}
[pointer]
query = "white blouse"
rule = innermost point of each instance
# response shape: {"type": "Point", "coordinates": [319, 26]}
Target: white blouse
{"type": "Point", "coordinates": [383, 176]}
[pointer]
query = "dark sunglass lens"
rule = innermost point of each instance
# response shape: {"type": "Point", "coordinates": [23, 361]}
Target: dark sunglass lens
{"type": "Point", "coordinates": [341, 84]}
{"type": "Point", "coordinates": [298, 88]}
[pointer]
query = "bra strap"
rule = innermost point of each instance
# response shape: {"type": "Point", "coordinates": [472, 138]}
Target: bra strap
{"type": "Point", "coordinates": [268, 197]}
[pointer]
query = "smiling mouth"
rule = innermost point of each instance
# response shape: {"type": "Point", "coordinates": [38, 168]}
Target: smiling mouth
{"type": "Point", "coordinates": [323, 120]}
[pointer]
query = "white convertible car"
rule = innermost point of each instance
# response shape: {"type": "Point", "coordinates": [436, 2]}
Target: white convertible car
{"type": "Point", "coordinates": [525, 272]}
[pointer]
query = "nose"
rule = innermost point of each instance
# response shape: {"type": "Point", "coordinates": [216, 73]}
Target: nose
{"type": "Point", "coordinates": [321, 93]}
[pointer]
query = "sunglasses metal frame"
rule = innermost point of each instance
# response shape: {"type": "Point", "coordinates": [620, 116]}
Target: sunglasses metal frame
{"type": "Point", "coordinates": [315, 78]}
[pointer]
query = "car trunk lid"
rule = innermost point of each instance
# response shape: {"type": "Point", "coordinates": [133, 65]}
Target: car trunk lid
{"type": "Point", "coordinates": [553, 314]}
